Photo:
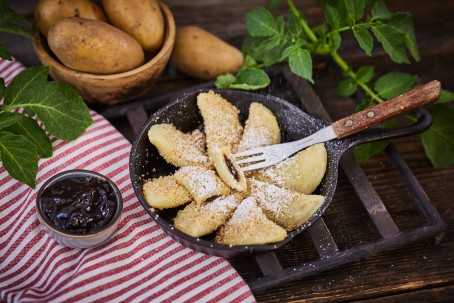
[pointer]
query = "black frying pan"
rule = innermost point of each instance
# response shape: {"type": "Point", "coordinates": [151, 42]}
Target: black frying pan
{"type": "Point", "coordinates": [295, 124]}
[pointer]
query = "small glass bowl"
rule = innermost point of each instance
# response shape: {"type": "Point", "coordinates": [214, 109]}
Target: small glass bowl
{"type": "Point", "coordinates": [74, 240]}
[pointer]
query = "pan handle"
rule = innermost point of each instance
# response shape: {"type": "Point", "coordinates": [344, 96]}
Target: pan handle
{"type": "Point", "coordinates": [404, 103]}
{"type": "Point", "coordinates": [378, 133]}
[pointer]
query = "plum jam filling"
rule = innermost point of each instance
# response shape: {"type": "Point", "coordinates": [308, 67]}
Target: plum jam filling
{"type": "Point", "coordinates": [212, 198]}
{"type": "Point", "coordinates": [79, 205]}
{"type": "Point", "coordinates": [232, 168]}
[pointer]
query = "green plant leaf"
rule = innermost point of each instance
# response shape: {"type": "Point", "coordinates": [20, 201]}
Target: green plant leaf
{"type": "Point", "coordinates": [250, 79]}
{"type": "Point", "coordinates": [280, 24]}
{"type": "Point", "coordinates": [365, 104]}
{"type": "Point", "coordinates": [8, 20]}
{"type": "Point", "coordinates": [300, 63]}
{"type": "Point", "coordinates": [19, 158]}
{"type": "Point", "coordinates": [391, 41]}
{"type": "Point", "coordinates": [393, 84]}
{"type": "Point", "coordinates": [30, 130]}
{"type": "Point", "coordinates": [254, 78]}
{"type": "Point", "coordinates": [403, 23]}
{"type": "Point", "coordinates": [270, 43]}
{"type": "Point", "coordinates": [15, 29]}
{"type": "Point", "coordinates": [24, 83]}
{"type": "Point", "coordinates": [290, 49]}
{"type": "Point", "coordinates": [332, 16]}
{"type": "Point", "coordinates": [294, 25]}
{"type": "Point", "coordinates": [61, 109]}
{"type": "Point", "coordinates": [252, 47]}
{"type": "Point", "coordinates": [335, 39]}
{"type": "Point", "coordinates": [8, 118]}
{"type": "Point", "coordinates": [59, 106]}
{"type": "Point", "coordinates": [365, 73]}
{"type": "Point", "coordinates": [260, 23]}
{"type": "Point", "coordinates": [224, 81]}
{"type": "Point", "coordinates": [4, 54]}
{"type": "Point", "coordinates": [379, 10]}
{"type": "Point", "coordinates": [438, 140]}
{"type": "Point", "coordinates": [445, 96]}
{"type": "Point", "coordinates": [355, 9]}
{"type": "Point", "coordinates": [364, 38]}
{"type": "Point", "coordinates": [8, 15]}
{"type": "Point", "coordinates": [249, 61]}
{"type": "Point", "coordinates": [347, 87]}
{"type": "Point", "coordinates": [365, 151]}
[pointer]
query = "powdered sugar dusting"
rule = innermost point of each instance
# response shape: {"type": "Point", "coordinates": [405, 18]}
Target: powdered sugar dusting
{"type": "Point", "coordinates": [247, 210]}
{"type": "Point", "coordinates": [257, 137]}
{"type": "Point", "coordinates": [222, 205]}
{"type": "Point", "coordinates": [261, 128]}
{"type": "Point", "coordinates": [272, 198]}
{"type": "Point", "coordinates": [177, 147]}
{"type": "Point", "coordinates": [222, 126]}
{"type": "Point", "coordinates": [273, 172]}
{"type": "Point", "coordinates": [202, 183]}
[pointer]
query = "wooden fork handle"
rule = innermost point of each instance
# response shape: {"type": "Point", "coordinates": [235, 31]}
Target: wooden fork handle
{"type": "Point", "coordinates": [402, 104]}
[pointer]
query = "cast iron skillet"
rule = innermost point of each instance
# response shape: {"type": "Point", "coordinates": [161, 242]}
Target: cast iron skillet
{"type": "Point", "coordinates": [295, 124]}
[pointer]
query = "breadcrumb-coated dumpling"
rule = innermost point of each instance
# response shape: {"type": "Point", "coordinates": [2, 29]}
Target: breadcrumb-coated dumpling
{"type": "Point", "coordinates": [302, 173]}
{"type": "Point", "coordinates": [165, 192]}
{"type": "Point", "coordinates": [176, 147]}
{"type": "Point", "coordinates": [202, 183]}
{"type": "Point", "coordinates": [221, 122]}
{"type": "Point", "coordinates": [200, 140]}
{"type": "Point", "coordinates": [249, 225]}
{"type": "Point", "coordinates": [198, 220]}
{"type": "Point", "coordinates": [287, 208]}
{"type": "Point", "coordinates": [228, 170]}
{"type": "Point", "coordinates": [261, 128]}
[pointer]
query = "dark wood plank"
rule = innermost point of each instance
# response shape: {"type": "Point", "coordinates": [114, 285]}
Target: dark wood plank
{"type": "Point", "coordinates": [434, 295]}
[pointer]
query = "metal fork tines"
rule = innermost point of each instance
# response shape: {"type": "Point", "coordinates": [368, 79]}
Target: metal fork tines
{"type": "Point", "coordinates": [269, 155]}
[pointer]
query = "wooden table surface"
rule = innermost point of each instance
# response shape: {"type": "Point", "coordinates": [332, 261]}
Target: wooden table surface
{"type": "Point", "coordinates": [416, 272]}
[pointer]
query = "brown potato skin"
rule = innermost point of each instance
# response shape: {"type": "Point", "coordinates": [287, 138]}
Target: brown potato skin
{"type": "Point", "coordinates": [93, 46]}
{"type": "Point", "coordinates": [143, 20]}
{"type": "Point", "coordinates": [47, 12]}
{"type": "Point", "coordinates": [203, 55]}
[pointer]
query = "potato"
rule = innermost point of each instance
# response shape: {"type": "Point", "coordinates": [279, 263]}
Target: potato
{"type": "Point", "coordinates": [47, 12]}
{"type": "Point", "coordinates": [141, 19]}
{"type": "Point", "coordinates": [202, 55]}
{"type": "Point", "coordinates": [94, 47]}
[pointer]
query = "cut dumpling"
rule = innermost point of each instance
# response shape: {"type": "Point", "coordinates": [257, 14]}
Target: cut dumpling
{"type": "Point", "coordinates": [228, 170]}
{"type": "Point", "coordinates": [302, 173]}
{"type": "Point", "coordinates": [249, 225]}
{"type": "Point", "coordinates": [165, 192]}
{"type": "Point", "coordinates": [198, 220]}
{"type": "Point", "coordinates": [287, 208]}
{"type": "Point", "coordinates": [203, 184]}
{"type": "Point", "coordinates": [200, 141]}
{"type": "Point", "coordinates": [176, 147]}
{"type": "Point", "coordinates": [221, 122]}
{"type": "Point", "coordinates": [261, 128]}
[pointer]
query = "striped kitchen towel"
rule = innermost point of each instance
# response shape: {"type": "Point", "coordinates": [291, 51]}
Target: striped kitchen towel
{"type": "Point", "coordinates": [139, 264]}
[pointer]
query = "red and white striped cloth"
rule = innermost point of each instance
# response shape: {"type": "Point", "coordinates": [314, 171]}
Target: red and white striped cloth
{"type": "Point", "coordinates": [140, 264]}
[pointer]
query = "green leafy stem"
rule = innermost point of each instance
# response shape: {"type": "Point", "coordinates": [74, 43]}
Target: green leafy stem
{"type": "Point", "coordinates": [271, 40]}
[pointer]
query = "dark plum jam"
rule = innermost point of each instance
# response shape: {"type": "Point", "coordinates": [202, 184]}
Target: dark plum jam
{"type": "Point", "coordinates": [79, 204]}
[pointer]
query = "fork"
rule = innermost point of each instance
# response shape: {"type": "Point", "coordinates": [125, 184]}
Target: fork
{"type": "Point", "coordinates": [262, 157]}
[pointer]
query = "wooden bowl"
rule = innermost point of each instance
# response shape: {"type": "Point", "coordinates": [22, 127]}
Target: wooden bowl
{"type": "Point", "coordinates": [114, 88]}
